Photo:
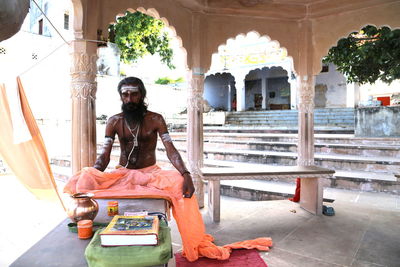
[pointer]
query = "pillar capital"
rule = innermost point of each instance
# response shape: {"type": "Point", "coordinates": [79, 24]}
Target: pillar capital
{"type": "Point", "coordinates": [83, 70]}
{"type": "Point", "coordinates": [195, 93]}
{"type": "Point", "coordinates": [306, 93]}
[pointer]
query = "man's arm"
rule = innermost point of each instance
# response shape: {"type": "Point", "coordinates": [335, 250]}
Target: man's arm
{"type": "Point", "coordinates": [175, 158]}
{"type": "Point", "coordinates": [104, 158]}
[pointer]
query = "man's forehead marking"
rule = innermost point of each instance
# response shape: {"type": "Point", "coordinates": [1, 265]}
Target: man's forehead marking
{"type": "Point", "coordinates": [129, 88]}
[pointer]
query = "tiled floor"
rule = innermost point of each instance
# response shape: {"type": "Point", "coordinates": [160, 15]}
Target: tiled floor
{"type": "Point", "coordinates": [364, 232]}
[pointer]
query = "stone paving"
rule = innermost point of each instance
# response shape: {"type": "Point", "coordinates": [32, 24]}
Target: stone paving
{"type": "Point", "coordinates": [364, 231]}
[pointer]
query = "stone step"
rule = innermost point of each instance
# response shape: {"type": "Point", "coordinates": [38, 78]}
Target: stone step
{"type": "Point", "coordinates": [288, 113]}
{"type": "Point", "coordinates": [343, 117]}
{"type": "Point", "coordinates": [257, 190]}
{"type": "Point", "coordinates": [354, 180]}
{"type": "Point", "coordinates": [294, 122]}
{"type": "Point", "coordinates": [332, 129]}
{"type": "Point", "coordinates": [292, 137]}
{"type": "Point", "coordinates": [320, 148]}
{"type": "Point", "coordinates": [388, 165]}
{"type": "Point", "coordinates": [294, 111]}
{"type": "Point", "coordinates": [350, 180]}
{"type": "Point", "coordinates": [290, 117]}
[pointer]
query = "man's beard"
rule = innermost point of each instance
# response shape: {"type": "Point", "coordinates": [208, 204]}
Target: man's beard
{"type": "Point", "coordinates": [134, 112]}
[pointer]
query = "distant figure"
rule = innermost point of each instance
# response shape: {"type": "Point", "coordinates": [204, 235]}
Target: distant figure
{"type": "Point", "coordinates": [234, 103]}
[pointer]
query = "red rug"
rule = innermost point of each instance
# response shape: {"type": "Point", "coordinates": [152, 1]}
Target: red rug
{"type": "Point", "coordinates": [238, 258]}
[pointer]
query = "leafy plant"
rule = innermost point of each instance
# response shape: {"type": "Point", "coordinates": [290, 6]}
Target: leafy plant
{"type": "Point", "coordinates": [167, 80]}
{"type": "Point", "coordinates": [369, 55]}
{"type": "Point", "coordinates": [137, 35]}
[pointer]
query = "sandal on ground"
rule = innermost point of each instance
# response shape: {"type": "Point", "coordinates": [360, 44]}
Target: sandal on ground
{"type": "Point", "coordinates": [328, 211]}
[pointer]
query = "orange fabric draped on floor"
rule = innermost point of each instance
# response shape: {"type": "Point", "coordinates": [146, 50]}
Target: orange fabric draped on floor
{"type": "Point", "coordinates": [27, 158]}
{"type": "Point", "coordinates": [155, 182]}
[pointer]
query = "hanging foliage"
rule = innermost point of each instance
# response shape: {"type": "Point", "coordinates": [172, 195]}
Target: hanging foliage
{"type": "Point", "coordinates": [369, 55]}
{"type": "Point", "coordinates": [137, 35]}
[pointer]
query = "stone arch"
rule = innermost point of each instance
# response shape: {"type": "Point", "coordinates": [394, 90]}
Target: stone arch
{"type": "Point", "coordinates": [243, 35]}
{"type": "Point", "coordinates": [219, 90]}
{"type": "Point", "coordinates": [269, 87]}
{"type": "Point", "coordinates": [155, 14]}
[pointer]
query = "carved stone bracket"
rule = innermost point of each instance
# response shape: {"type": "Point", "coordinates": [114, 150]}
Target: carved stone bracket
{"type": "Point", "coordinates": [83, 90]}
{"type": "Point", "coordinates": [306, 94]}
{"type": "Point", "coordinates": [83, 66]}
{"type": "Point", "coordinates": [83, 74]}
{"type": "Point", "coordinates": [195, 97]}
{"type": "Point", "coordinates": [302, 161]}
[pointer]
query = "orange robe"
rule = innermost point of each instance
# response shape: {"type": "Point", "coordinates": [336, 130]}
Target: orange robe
{"type": "Point", "coordinates": [155, 182]}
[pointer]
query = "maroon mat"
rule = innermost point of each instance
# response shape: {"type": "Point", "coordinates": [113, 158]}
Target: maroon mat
{"type": "Point", "coordinates": [238, 258]}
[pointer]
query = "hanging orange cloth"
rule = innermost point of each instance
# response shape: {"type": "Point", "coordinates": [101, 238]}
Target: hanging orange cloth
{"type": "Point", "coordinates": [24, 151]}
{"type": "Point", "coordinates": [155, 182]}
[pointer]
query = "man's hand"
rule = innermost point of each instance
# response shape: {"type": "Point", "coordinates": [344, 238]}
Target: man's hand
{"type": "Point", "coordinates": [187, 187]}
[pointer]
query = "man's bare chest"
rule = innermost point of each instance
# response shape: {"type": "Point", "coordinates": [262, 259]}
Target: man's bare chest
{"type": "Point", "coordinates": [143, 132]}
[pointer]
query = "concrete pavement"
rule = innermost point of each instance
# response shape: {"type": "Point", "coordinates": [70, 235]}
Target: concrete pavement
{"type": "Point", "coordinates": [364, 232]}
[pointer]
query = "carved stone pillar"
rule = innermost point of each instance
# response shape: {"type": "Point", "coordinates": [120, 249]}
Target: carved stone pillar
{"type": "Point", "coordinates": [305, 148]}
{"type": "Point", "coordinates": [83, 94]}
{"type": "Point", "coordinates": [240, 77]}
{"type": "Point", "coordinates": [195, 133]}
{"type": "Point", "coordinates": [264, 89]}
{"type": "Point", "coordinates": [240, 95]}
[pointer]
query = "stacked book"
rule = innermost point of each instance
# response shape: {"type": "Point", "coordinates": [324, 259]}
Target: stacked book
{"type": "Point", "coordinates": [131, 231]}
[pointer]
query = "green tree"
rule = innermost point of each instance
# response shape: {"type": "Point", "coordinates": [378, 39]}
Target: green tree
{"type": "Point", "coordinates": [369, 55]}
{"type": "Point", "coordinates": [137, 35]}
{"type": "Point", "coordinates": [167, 80]}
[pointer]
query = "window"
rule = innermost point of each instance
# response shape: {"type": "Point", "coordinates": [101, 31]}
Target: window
{"type": "Point", "coordinates": [66, 21]}
{"type": "Point", "coordinates": [46, 8]}
{"type": "Point", "coordinates": [41, 26]}
{"type": "Point", "coordinates": [325, 68]}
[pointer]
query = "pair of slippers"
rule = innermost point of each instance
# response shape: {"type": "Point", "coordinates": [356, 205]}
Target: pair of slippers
{"type": "Point", "coordinates": [328, 211]}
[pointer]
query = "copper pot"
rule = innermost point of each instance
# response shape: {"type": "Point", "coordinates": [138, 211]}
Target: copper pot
{"type": "Point", "coordinates": [82, 207]}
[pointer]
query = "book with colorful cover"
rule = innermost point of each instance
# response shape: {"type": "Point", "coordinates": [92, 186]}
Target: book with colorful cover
{"type": "Point", "coordinates": [131, 231]}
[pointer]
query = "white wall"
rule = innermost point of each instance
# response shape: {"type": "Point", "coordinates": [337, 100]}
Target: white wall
{"type": "Point", "coordinates": [335, 85]}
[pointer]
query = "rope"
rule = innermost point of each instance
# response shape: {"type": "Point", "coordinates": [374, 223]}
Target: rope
{"type": "Point", "coordinates": [62, 37]}
{"type": "Point", "coordinates": [40, 61]}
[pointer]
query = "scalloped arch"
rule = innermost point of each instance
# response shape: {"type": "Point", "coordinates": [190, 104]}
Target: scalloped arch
{"type": "Point", "coordinates": [268, 67]}
{"type": "Point", "coordinates": [244, 35]}
{"type": "Point", "coordinates": [154, 13]}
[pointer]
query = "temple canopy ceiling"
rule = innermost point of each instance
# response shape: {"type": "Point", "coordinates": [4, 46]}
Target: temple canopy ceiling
{"type": "Point", "coordinates": [288, 9]}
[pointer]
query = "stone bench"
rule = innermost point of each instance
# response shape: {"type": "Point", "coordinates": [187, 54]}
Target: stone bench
{"type": "Point", "coordinates": [311, 195]}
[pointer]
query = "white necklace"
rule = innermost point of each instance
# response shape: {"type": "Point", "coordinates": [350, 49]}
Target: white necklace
{"type": "Point", "coordinates": [135, 139]}
{"type": "Point", "coordinates": [135, 136]}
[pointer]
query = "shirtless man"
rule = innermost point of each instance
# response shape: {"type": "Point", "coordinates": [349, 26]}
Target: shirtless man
{"type": "Point", "coordinates": [137, 130]}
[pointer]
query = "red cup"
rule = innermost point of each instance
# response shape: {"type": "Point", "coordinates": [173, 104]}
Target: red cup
{"type": "Point", "coordinates": [85, 229]}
